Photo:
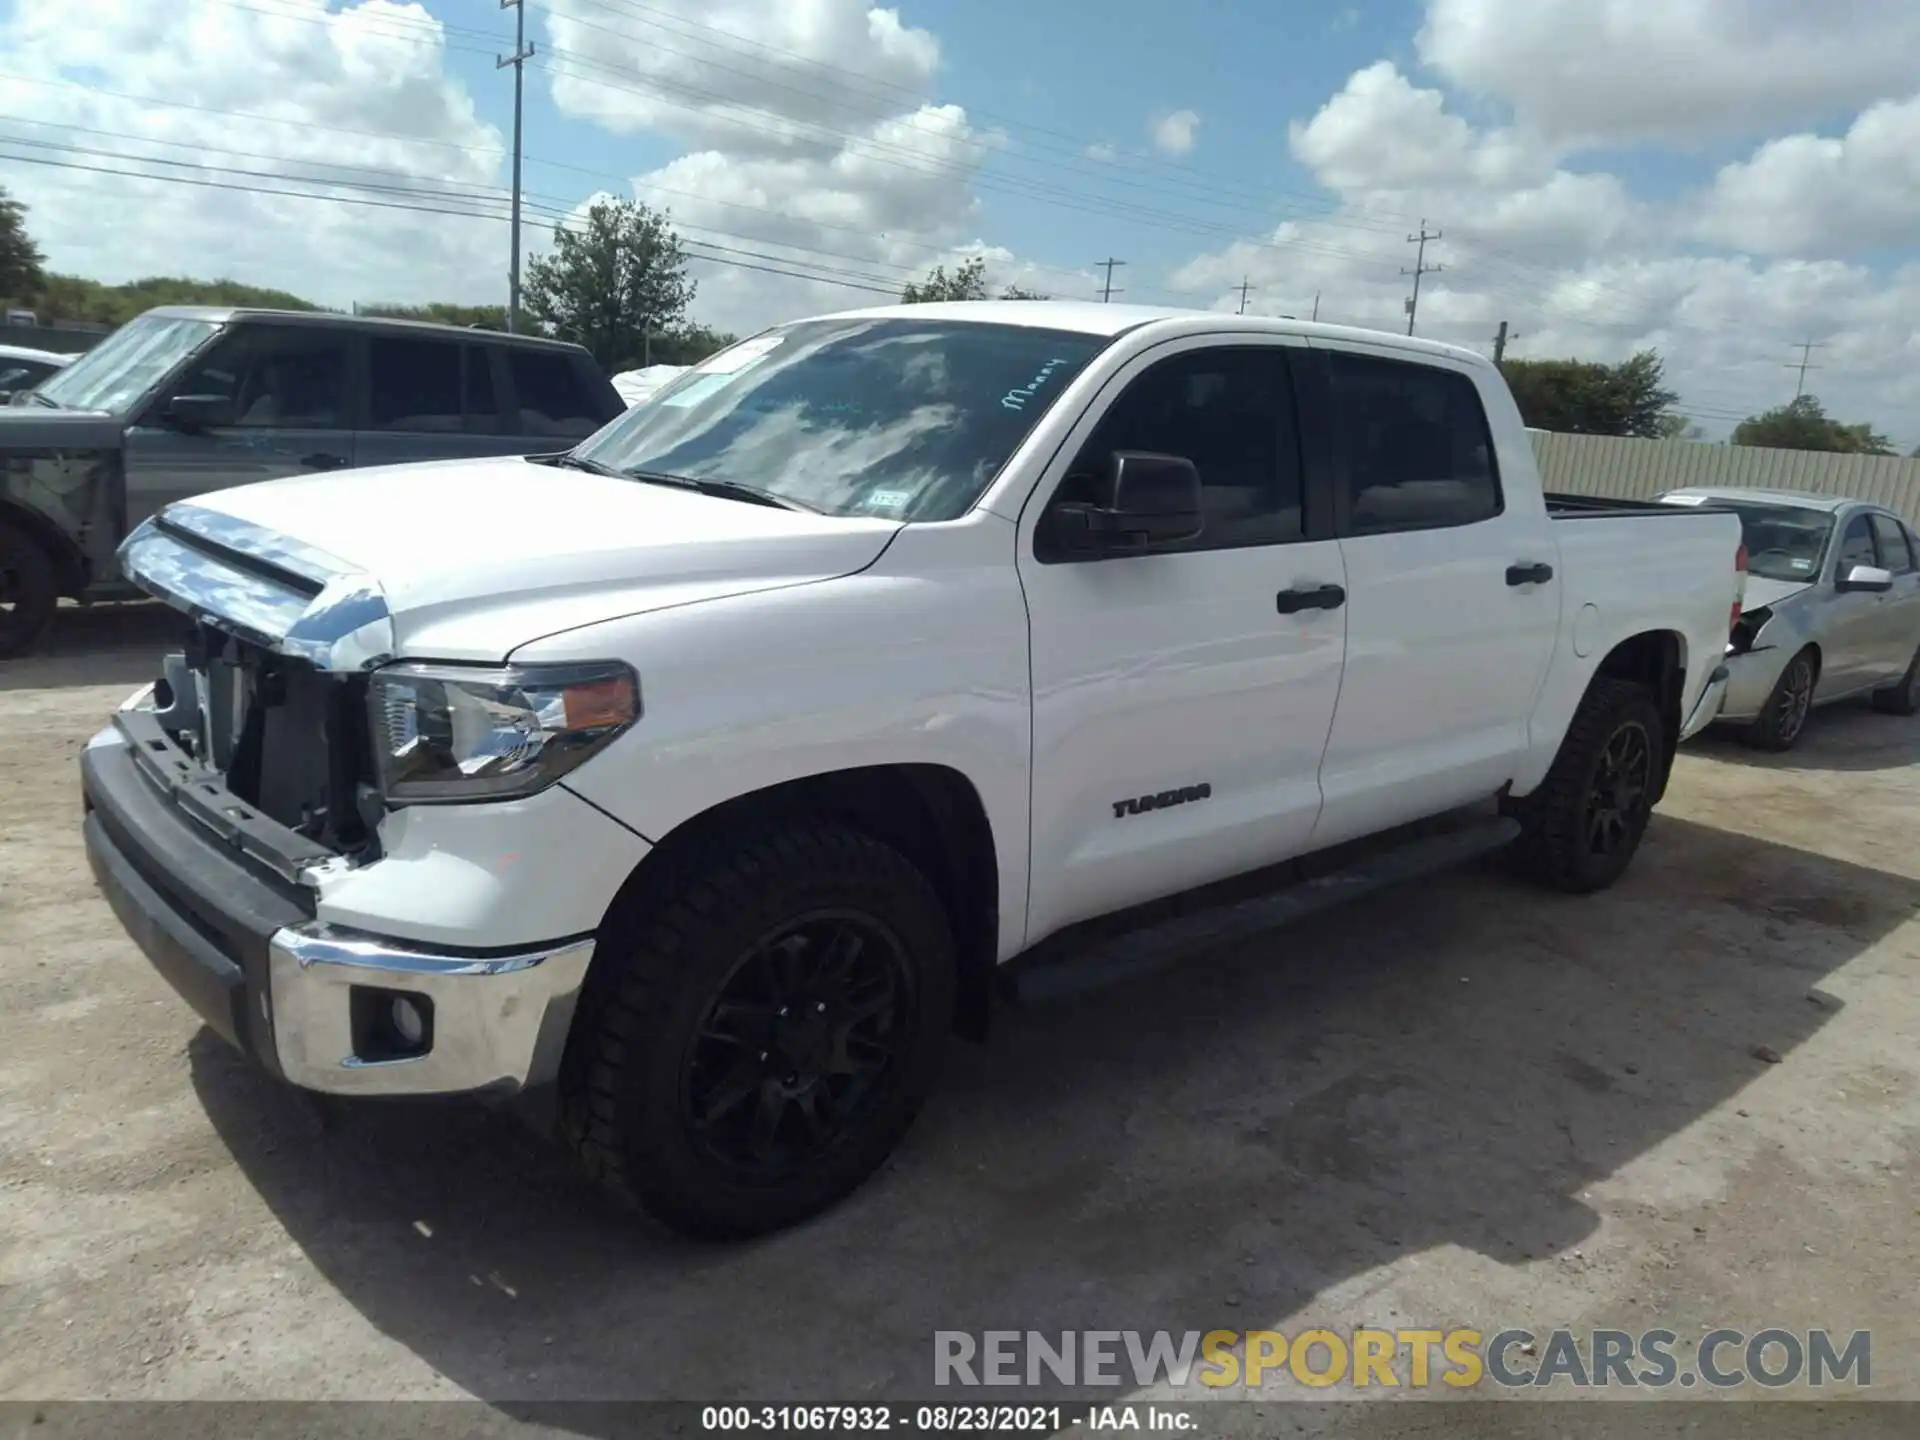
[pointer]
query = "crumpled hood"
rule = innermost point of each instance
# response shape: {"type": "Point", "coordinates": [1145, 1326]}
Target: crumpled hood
{"type": "Point", "coordinates": [1762, 591]}
{"type": "Point", "coordinates": [474, 558]}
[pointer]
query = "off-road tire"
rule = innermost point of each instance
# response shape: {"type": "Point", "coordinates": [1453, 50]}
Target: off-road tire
{"type": "Point", "coordinates": [1902, 697]}
{"type": "Point", "coordinates": [1781, 724]}
{"type": "Point", "coordinates": [1553, 848]}
{"type": "Point", "coordinates": [622, 1082]}
{"type": "Point", "coordinates": [29, 591]}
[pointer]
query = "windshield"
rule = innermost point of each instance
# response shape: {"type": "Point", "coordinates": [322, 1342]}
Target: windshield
{"type": "Point", "coordinates": [1784, 542]}
{"type": "Point", "coordinates": [901, 418]}
{"type": "Point", "coordinates": [122, 368]}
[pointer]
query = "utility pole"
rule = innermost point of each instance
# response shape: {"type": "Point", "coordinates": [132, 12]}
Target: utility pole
{"type": "Point", "coordinates": [1107, 292]}
{"type": "Point", "coordinates": [522, 52]}
{"type": "Point", "coordinates": [1500, 342]}
{"type": "Point", "coordinates": [1420, 267]}
{"type": "Point", "coordinates": [1807, 347]}
{"type": "Point", "coordinates": [1316, 305]}
{"type": "Point", "coordinates": [1245, 286]}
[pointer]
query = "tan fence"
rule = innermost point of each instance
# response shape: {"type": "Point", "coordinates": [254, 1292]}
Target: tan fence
{"type": "Point", "coordinates": [1640, 469]}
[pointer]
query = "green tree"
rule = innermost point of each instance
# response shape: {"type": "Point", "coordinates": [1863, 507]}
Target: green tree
{"type": "Point", "coordinates": [21, 275]}
{"type": "Point", "coordinates": [968, 282]}
{"type": "Point", "coordinates": [71, 298]}
{"type": "Point", "coordinates": [1580, 397]}
{"type": "Point", "coordinates": [1015, 292]}
{"type": "Point", "coordinates": [440, 312]}
{"type": "Point", "coordinates": [613, 283]}
{"type": "Point", "coordinates": [1803, 424]}
{"type": "Point", "coordinates": [689, 345]}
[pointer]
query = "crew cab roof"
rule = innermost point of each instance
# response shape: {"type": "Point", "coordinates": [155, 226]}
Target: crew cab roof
{"type": "Point", "coordinates": [1093, 317]}
{"type": "Point", "coordinates": [221, 314]}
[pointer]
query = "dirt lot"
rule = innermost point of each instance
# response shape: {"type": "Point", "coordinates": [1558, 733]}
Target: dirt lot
{"type": "Point", "coordinates": [1691, 1102]}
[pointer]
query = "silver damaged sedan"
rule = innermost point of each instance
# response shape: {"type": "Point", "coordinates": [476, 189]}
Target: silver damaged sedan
{"type": "Point", "coordinates": [1832, 610]}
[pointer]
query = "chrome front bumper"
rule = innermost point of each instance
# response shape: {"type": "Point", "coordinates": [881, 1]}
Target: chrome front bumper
{"type": "Point", "coordinates": [497, 1023]}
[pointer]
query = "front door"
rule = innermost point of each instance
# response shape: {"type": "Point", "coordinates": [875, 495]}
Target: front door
{"type": "Point", "coordinates": [289, 414]}
{"type": "Point", "coordinates": [1853, 622]}
{"type": "Point", "coordinates": [1180, 704]}
{"type": "Point", "coordinates": [1445, 647]}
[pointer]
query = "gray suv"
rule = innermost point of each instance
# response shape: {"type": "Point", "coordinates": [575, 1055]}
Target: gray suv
{"type": "Point", "coordinates": [187, 399]}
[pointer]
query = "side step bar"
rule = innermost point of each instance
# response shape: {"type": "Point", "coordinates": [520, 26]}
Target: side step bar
{"type": "Point", "coordinates": [1157, 944]}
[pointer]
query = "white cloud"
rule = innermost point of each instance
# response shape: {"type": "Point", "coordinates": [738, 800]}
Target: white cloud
{"type": "Point", "coordinates": [1174, 132]}
{"type": "Point", "coordinates": [1102, 151]}
{"type": "Point", "coordinates": [1815, 195]}
{"type": "Point", "coordinates": [1580, 267]}
{"type": "Point", "coordinates": [357, 98]}
{"type": "Point", "coordinates": [1621, 71]}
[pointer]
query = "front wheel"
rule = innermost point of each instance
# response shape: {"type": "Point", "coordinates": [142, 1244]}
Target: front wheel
{"type": "Point", "coordinates": [767, 1034]}
{"type": "Point", "coordinates": [1784, 717]}
{"type": "Point", "coordinates": [1580, 829]}
{"type": "Point", "coordinates": [29, 590]}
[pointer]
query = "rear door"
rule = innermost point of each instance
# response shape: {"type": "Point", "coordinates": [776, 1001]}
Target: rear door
{"type": "Point", "coordinates": [290, 388]}
{"type": "Point", "coordinates": [431, 397]}
{"type": "Point", "coordinates": [1454, 603]}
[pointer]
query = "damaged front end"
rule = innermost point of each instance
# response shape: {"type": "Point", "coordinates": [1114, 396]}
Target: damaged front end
{"type": "Point", "coordinates": [64, 471]}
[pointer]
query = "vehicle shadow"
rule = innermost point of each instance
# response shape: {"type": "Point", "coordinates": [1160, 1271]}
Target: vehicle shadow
{"type": "Point", "coordinates": [1848, 735]}
{"type": "Point", "coordinates": [117, 644]}
{"type": "Point", "coordinates": [1208, 1146]}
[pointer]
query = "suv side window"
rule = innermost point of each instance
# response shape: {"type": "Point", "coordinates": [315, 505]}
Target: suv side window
{"type": "Point", "coordinates": [552, 401]}
{"type": "Point", "coordinates": [1413, 445]}
{"type": "Point", "coordinates": [483, 401]}
{"type": "Point", "coordinates": [1892, 538]}
{"type": "Point", "coordinates": [1856, 547]}
{"type": "Point", "coordinates": [279, 377]}
{"type": "Point", "coordinates": [1229, 411]}
{"type": "Point", "coordinates": [414, 384]}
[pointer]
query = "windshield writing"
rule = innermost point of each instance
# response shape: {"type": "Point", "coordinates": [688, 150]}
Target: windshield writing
{"type": "Point", "coordinates": [116, 373]}
{"type": "Point", "coordinates": [901, 418]}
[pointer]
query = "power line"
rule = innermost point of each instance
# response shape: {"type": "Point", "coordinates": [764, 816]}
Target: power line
{"type": "Point", "coordinates": [522, 52]}
{"type": "Point", "coordinates": [1107, 292]}
{"type": "Point", "coordinates": [1420, 267]}
{"type": "Point", "coordinates": [1807, 347]}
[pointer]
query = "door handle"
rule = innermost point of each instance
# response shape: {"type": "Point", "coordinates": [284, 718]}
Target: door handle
{"type": "Point", "coordinates": [320, 460]}
{"type": "Point", "coordinates": [1312, 597]}
{"type": "Point", "coordinates": [1529, 573]}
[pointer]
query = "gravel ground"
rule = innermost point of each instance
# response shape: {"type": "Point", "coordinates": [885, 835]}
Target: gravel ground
{"type": "Point", "coordinates": [1690, 1102]}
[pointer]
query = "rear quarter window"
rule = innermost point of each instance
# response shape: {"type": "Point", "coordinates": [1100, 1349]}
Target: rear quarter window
{"type": "Point", "coordinates": [553, 396]}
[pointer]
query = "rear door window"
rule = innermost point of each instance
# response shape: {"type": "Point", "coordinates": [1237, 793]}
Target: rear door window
{"type": "Point", "coordinates": [415, 385]}
{"type": "Point", "coordinates": [1413, 444]}
{"type": "Point", "coordinates": [552, 396]}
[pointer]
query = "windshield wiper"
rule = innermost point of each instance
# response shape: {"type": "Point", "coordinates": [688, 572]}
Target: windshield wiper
{"type": "Point", "coordinates": [572, 461]}
{"type": "Point", "coordinates": [725, 489]}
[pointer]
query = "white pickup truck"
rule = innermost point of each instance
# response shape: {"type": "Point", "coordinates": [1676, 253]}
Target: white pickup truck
{"type": "Point", "coordinates": [702, 777]}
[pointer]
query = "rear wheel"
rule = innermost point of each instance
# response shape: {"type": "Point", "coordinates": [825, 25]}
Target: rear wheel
{"type": "Point", "coordinates": [1784, 717]}
{"type": "Point", "coordinates": [1903, 696]}
{"type": "Point", "coordinates": [768, 1035]}
{"type": "Point", "coordinates": [29, 590]}
{"type": "Point", "coordinates": [1580, 829]}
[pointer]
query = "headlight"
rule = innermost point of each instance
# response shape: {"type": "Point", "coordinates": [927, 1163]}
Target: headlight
{"type": "Point", "coordinates": [445, 733]}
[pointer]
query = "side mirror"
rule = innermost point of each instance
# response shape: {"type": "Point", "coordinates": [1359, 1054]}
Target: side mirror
{"type": "Point", "coordinates": [198, 412]}
{"type": "Point", "coordinates": [1865, 577]}
{"type": "Point", "coordinates": [1144, 502]}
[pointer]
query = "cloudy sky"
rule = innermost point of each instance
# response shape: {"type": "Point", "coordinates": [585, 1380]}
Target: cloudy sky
{"type": "Point", "coordinates": [1719, 179]}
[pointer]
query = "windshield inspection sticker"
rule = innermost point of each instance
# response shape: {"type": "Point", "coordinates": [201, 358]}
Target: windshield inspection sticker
{"type": "Point", "coordinates": [890, 500]}
{"type": "Point", "coordinates": [1017, 399]}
